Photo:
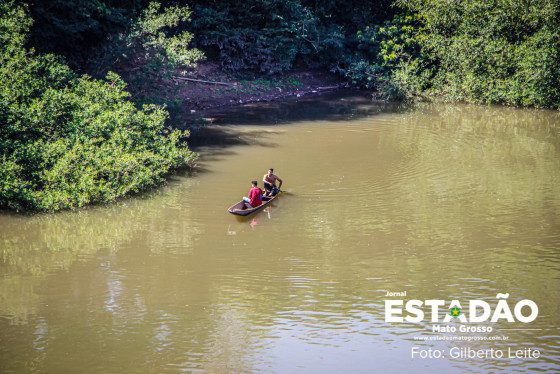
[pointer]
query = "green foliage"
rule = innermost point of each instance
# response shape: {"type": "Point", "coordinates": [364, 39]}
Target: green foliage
{"type": "Point", "coordinates": [352, 15]}
{"type": "Point", "coordinates": [364, 74]}
{"type": "Point", "coordinates": [68, 141]}
{"type": "Point", "coordinates": [493, 51]}
{"type": "Point", "coordinates": [391, 42]}
{"type": "Point", "coordinates": [265, 36]}
{"type": "Point", "coordinates": [148, 53]}
{"type": "Point", "coordinates": [151, 46]}
{"type": "Point", "coordinates": [74, 28]}
{"type": "Point", "coordinates": [482, 51]}
{"type": "Point", "coordinates": [148, 33]}
{"type": "Point", "coordinates": [383, 53]}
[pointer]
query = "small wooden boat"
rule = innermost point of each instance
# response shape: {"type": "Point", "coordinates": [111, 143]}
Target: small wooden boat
{"type": "Point", "coordinates": [243, 208]}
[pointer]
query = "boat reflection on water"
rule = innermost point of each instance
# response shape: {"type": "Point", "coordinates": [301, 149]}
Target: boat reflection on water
{"type": "Point", "coordinates": [445, 202]}
{"type": "Point", "coordinates": [253, 221]}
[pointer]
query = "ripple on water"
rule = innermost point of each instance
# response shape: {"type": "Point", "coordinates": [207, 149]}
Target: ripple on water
{"type": "Point", "coordinates": [437, 202]}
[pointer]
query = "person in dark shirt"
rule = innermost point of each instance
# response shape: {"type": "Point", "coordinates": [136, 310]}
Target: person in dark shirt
{"type": "Point", "coordinates": [255, 195]}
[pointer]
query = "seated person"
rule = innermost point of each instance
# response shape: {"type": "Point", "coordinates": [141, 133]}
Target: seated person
{"type": "Point", "coordinates": [255, 195]}
{"type": "Point", "coordinates": [269, 180]}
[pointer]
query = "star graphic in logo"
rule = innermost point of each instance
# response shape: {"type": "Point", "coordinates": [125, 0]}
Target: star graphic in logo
{"type": "Point", "coordinates": [455, 311]}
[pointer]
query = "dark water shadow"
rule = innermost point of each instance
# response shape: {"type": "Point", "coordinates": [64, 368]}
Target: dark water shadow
{"type": "Point", "coordinates": [216, 136]}
{"type": "Point", "coordinates": [341, 105]}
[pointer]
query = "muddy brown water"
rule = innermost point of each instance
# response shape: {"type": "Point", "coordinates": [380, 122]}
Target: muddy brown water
{"type": "Point", "coordinates": [443, 202]}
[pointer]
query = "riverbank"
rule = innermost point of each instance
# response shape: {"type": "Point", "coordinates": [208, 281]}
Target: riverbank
{"type": "Point", "coordinates": [187, 93]}
{"type": "Point", "coordinates": [210, 87]}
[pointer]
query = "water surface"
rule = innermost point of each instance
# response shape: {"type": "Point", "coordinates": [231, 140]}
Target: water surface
{"type": "Point", "coordinates": [443, 202]}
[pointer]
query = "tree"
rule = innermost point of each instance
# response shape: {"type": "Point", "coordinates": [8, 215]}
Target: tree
{"type": "Point", "coordinates": [490, 51]}
{"type": "Point", "coordinates": [74, 29]}
{"type": "Point", "coordinates": [68, 141]}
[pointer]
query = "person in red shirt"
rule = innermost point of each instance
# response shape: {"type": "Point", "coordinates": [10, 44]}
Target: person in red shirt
{"type": "Point", "coordinates": [255, 195]}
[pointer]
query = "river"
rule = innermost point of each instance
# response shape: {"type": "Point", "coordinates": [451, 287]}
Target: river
{"type": "Point", "coordinates": [441, 202]}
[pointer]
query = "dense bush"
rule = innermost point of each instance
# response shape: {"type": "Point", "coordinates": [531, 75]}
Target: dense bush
{"type": "Point", "coordinates": [272, 36]}
{"type": "Point", "coordinates": [265, 36]}
{"type": "Point", "coordinates": [148, 52]}
{"type": "Point", "coordinates": [74, 29]}
{"type": "Point", "coordinates": [488, 51]}
{"type": "Point", "coordinates": [491, 51]}
{"type": "Point", "coordinates": [67, 141]}
{"type": "Point", "coordinates": [151, 43]}
{"type": "Point", "coordinates": [382, 53]}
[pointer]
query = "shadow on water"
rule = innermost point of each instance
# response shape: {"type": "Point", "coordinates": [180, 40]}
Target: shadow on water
{"type": "Point", "coordinates": [445, 201]}
{"type": "Point", "coordinates": [342, 105]}
{"type": "Point", "coordinates": [225, 136]}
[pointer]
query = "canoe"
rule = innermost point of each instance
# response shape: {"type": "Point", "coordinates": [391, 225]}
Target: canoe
{"type": "Point", "coordinates": [243, 208]}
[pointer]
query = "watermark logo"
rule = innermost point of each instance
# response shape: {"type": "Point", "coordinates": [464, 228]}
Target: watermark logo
{"type": "Point", "coordinates": [476, 311]}
{"type": "Point", "coordinates": [468, 313]}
